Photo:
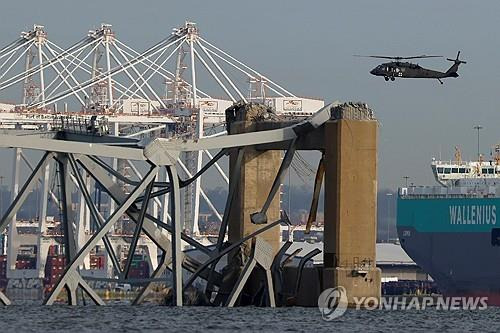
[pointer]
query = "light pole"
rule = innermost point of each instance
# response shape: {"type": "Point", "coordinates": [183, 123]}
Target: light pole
{"type": "Point", "coordinates": [478, 128]}
{"type": "Point", "coordinates": [388, 197]}
{"type": "Point", "coordinates": [1, 195]}
{"type": "Point", "coordinates": [406, 180]}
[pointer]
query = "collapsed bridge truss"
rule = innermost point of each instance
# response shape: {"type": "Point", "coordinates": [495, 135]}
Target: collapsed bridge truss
{"type": "Point", "coordinates": [85, 155]}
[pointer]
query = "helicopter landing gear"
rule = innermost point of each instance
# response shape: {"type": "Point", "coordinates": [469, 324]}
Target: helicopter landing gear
{"type": "Point", "coordinates": [392, 78]}
{"type": "Point", "coordinates": [440, 81]}
{"type": "Point", "coordinates": [386, 78]}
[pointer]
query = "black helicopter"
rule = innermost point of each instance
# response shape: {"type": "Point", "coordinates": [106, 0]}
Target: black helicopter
{"type": "Point", "coordinates": [398, 69]}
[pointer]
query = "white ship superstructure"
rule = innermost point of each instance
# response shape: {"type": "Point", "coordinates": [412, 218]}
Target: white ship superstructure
{"type": "Point", "coordinates": [468, 173]}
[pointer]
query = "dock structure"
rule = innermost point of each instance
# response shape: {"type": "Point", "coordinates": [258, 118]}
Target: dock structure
{"type": "Point", "coordinates": [134, 156]}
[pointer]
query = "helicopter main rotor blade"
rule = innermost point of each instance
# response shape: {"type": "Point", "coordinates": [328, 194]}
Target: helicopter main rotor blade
{"type": "Point", "coordinates": [398, 58]}
{"type": "Point", "coordinates": [373, 56]}
{"type": "Point", "coordinates": [422, 57]}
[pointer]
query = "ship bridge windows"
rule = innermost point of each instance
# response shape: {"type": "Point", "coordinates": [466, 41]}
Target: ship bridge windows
{"type": "Point", "coordinates": [447, 171]}
{"type": "Point", "coordinates": [489, 171]}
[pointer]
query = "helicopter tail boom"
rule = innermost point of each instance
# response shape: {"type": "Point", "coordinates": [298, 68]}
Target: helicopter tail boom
{"type": "Point", "coordinates": [452, 71]}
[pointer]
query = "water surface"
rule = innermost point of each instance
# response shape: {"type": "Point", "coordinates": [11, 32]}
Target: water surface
{"type": "Point", "coordinates": [125, 318]}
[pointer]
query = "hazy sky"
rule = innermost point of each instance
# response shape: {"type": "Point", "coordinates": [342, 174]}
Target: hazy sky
{"type": "Point", "coordinates": [307, 46]}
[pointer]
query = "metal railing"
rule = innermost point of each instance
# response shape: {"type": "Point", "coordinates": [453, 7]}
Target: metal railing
{"type": "Point", "coordinates": [426, 192]}
{"type": "Point", "coordinates": [90, 125]}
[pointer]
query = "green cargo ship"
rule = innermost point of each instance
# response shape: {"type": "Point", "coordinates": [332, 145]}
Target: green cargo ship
{"type": "Point", "coordinates": [452, 231]}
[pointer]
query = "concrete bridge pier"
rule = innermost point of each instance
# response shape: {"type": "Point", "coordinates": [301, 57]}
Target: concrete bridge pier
{"type": "Point", "coordinates": [257, 171]}
{"type": "Point", "coordinates": [348, 141]}
{"type": "Point", "coordinates": [350, 208]}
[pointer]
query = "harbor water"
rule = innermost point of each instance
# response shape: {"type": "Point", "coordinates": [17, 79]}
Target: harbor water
{"type": "Point", "coordinates": [149, 318]}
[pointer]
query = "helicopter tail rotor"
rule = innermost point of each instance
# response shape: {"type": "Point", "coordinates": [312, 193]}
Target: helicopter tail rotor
{"type": "Point", "coordinates": [457, 61]}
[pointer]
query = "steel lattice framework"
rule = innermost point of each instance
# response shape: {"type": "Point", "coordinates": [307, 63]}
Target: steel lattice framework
{"type": "Point", "coordinates": [76, 157]}
{"type": "Point", "coordinates": [100, 72]}
{"type": "Point", "coordinates": [98, 75]}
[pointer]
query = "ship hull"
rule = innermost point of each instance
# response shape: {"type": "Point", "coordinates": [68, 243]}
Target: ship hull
{"type": "Point", "coordinates": [458, 249]}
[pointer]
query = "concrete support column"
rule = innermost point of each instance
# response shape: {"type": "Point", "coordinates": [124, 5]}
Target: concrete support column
{"type": "Point", "coordinates": [350, 207]}
{"type": "Point", "coordinates": [258, 170]}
